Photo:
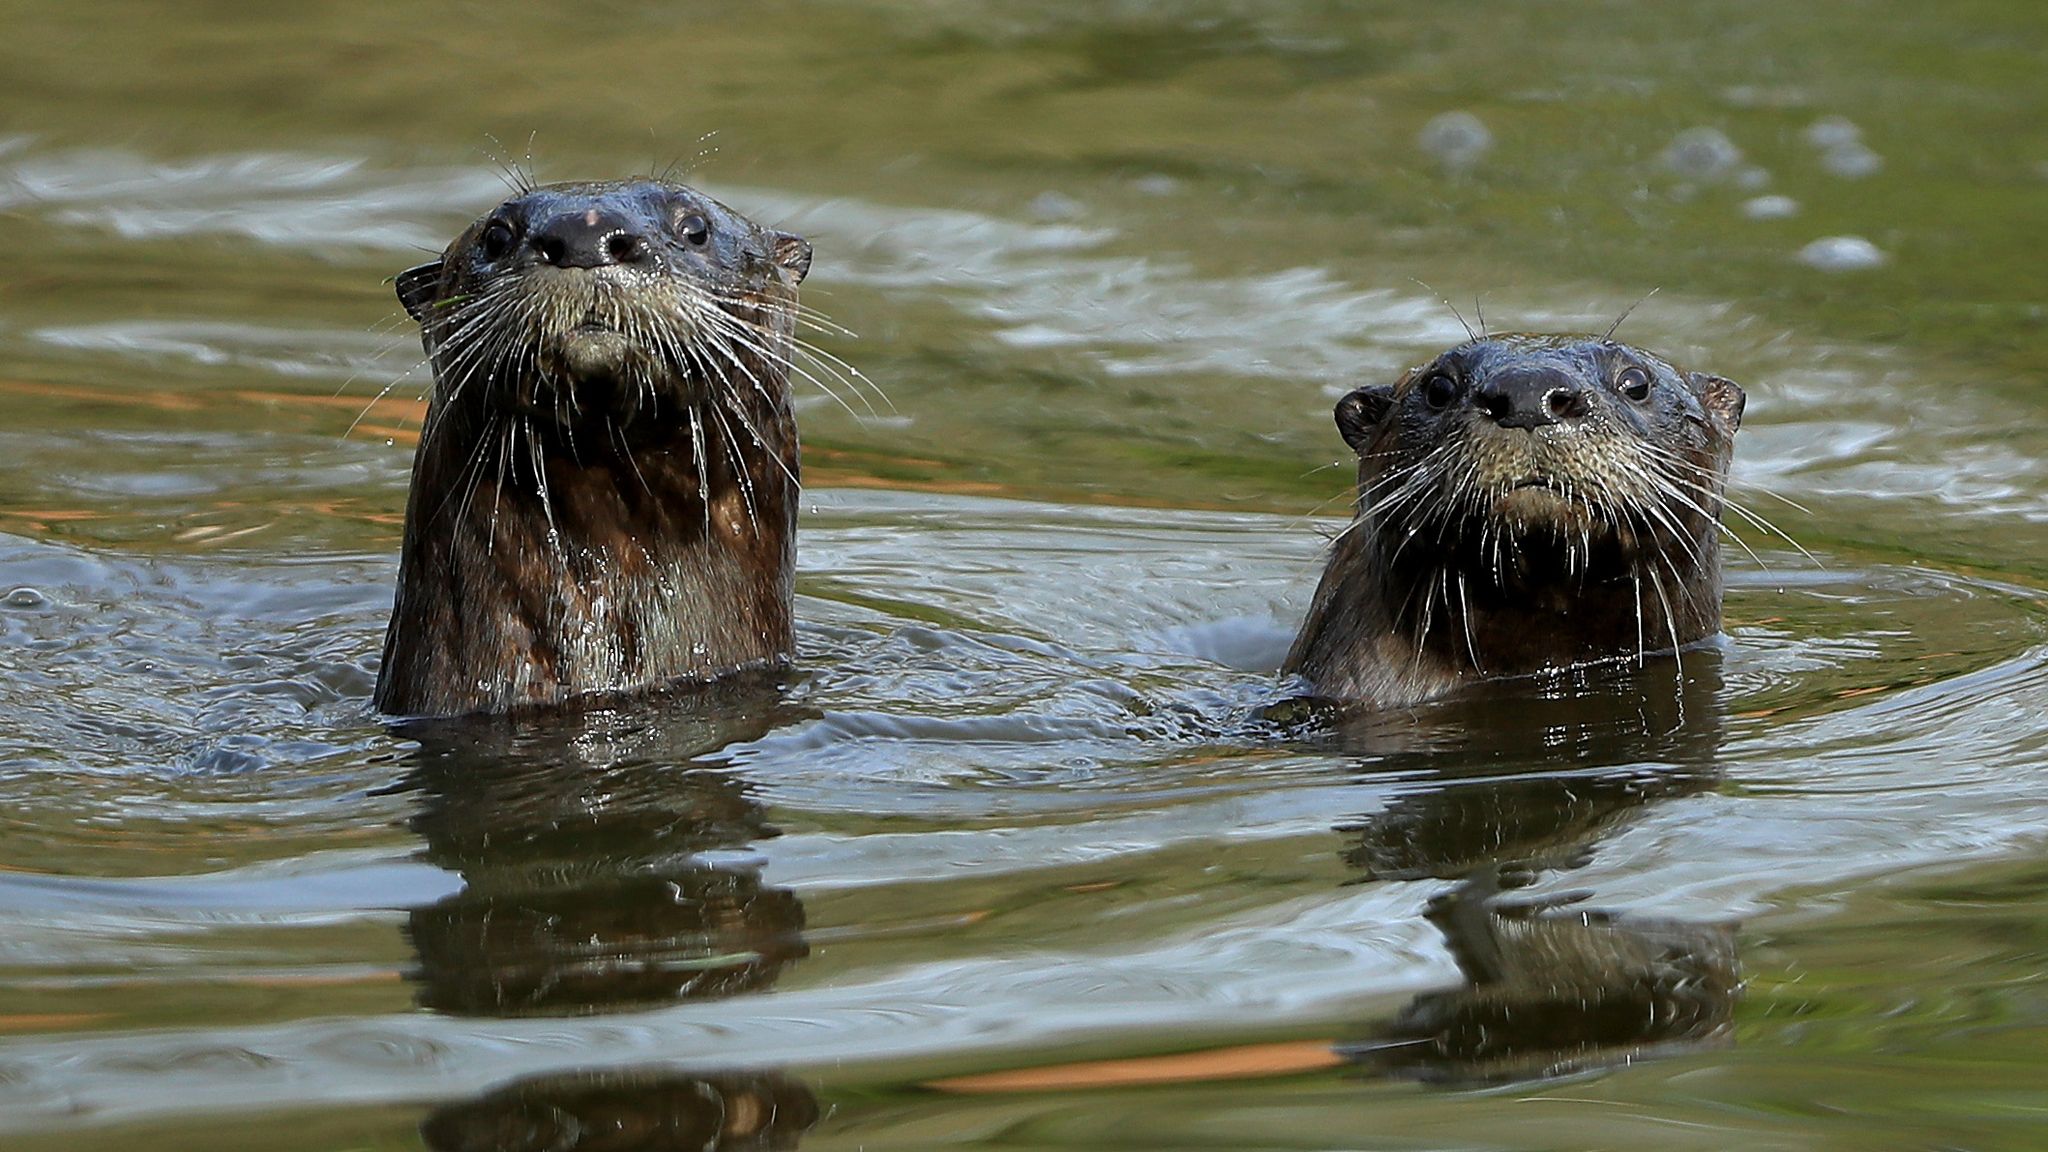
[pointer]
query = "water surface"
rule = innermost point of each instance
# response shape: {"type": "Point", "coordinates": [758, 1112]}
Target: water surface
{"type": "Point", "coordinates": [1009, 861]}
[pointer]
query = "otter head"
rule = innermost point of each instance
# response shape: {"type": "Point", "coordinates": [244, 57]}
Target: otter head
{"type": "Point", "coordinates": [1521, 440]}
{"type": "Point", "coordinates": [616, 299]}
{"type": "Point", "coordinates": [1524, 502]}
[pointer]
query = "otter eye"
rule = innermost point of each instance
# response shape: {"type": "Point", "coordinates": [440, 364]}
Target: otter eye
{"type": "Point", "coordinates": [1634, 384]}
{"type": "Point", "coordinates": [496, 240]}
{"type": "Point", "coordinates": [1440, 389]}
{"type": "Point", "coordinates": [695, 229]}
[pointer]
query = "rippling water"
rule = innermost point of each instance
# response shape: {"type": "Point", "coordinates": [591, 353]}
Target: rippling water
{"type": "Point", "coordinates": [1015, 857]}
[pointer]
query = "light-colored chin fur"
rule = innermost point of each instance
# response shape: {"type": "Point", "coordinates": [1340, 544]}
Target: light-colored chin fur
{"type": "Point", "coordinates": [584, 354]}
{"type": "Point", "coordinates": [599, 352]}
{"type": "Point", "coordinates": [1530, 507]}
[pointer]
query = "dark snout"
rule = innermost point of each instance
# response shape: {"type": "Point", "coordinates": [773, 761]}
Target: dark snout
{"type": "Point", "coordinates": [589, 236]}
{"type": "Point", "coordinates": [1531, 396]}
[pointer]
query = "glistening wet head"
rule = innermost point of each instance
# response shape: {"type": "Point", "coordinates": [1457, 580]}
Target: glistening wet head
{"type": "Point", "coordinates": [617, 299]}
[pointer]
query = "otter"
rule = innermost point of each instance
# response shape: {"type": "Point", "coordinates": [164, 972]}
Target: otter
{"type": "Point", "coordinates": [604, 495]}
{"type": "Point", "coordinates": [1524, 503]}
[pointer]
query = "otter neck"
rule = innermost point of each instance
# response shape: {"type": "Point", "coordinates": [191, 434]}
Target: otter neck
{"type": "Point", "coordinates": [1503, 603]}
{"type": "Point", "coordinates": [1400, 618]}
{"type": "Point", "coordinates": [546, 561]}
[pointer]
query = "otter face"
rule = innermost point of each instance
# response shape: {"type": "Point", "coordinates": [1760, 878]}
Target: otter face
{"type": "Point", "coordinates": [1525, 503]}
{"type": "Point", "coordinates": [613, 298]}
{"type": "Point", "coordinates": [1573, 437]}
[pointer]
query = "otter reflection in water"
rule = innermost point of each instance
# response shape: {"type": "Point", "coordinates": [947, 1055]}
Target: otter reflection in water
{"type": "Point", "coordinates": [580, 840]}
{"type": "Point", "coordinates": [1525, 503]}
{"type": "Point", "coordinates": [1551, 991]}
{"type": "Point", "coordinates": [580, 845]}
{"type": "Point", "coordinates": [637, 1111]}
{"type": "Point", "coordinates": [1549, 988]}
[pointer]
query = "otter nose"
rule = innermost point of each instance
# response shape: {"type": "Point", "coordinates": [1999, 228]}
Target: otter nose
{"type": "Point", "coordinates": [588, 238]}
{"type": "Point", "coordinates": [1531, 398]}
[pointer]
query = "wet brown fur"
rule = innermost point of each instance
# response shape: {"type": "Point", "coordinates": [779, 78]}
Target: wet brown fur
{"type": "Point", "coordinates": [604, 496]}
{"type": "Point", "coordinates": [1518, 511]}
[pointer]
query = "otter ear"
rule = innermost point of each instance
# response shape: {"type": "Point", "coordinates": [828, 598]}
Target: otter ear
{"type": "Point", "coordinates": [792, 253]}
{"type": "Point", "coordinates": [1723, 397]}
{"type": "Point", "coordinates": [416, 288]}
{"type": "Point", "coordinates": [1360, 411]}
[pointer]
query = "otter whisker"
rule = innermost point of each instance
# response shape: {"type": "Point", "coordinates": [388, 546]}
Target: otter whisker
{"type": "Point", "coordinates": [1635, 579]}
{"type": "Point", "coordinates": [1408, 484]}
{"type": "Point", "coordinates": [839, 369]}
{"type": "Point", "coordinates": [457, 361]}
{"type": "Point", "coordinates": [540, 482]}
{"type": "Point", "coordinates": [703, 471]}
{"type": "Point", "coordinates": [739, 467]}
{"type": "Point", "coordinates": [816, 320]}
{"type": "Point", "coordinates": [370, 405]}
{"type": "Point", "coordinates": [1446, 302]}
{"type": "Point", "coordinates": [1670, 618]}
{"type": "Point", "coordinates": [826, 361]}
{"type": "Point", "coordinates": [1421, 621]}
{"type": "Point", "coordinates": [470, 478]}
{"type": "Point", "coordinates": [505, 435]}
{"type": "Point", "coordinates": [1324, 506]}
{"type": "Point", "coordinates": [1674, 493]}
{"type": "Point", "coordinates": [625, 451]}
{"type": "Point", "coordinates": [1658, 516]}
{"type": "Point", "coordinates": [773, 453]}
{"type": "Point", "coordinates": [463, 362]}
{"type": "Point", "coordinates": [750, 336]}
{"type": "Point", "coordinates": [1413, 482]}
{"type": "Point", "coordinates": [742, 337]}
{"type": "Point", "coordinates": [726, 349]}
{"type": "Point", "coordinates": [1720, 499]}
{"type": "Point", "coordinates": [1628, 311]}
{"type": "Point", "coordinates": [1465, 616]}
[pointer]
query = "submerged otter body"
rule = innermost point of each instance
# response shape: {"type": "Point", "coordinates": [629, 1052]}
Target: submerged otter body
{"type": "Point", "coordinates": [604, 496]}
{"type": "Point", "coordinates": [1524, 503]}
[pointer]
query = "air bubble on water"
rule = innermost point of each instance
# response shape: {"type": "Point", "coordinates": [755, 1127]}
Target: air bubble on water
{"type": "Point", "coordinates": [1704, 154]}
{"type": "Point", "coordinates": [1852, 161]}
{"type": "Point", "coordinates": [1841, 254]}
{"type": "Point", "coordinates": [1456, 139]}
{"type": "Point", "coordinates": [1833, 132]}
{"type": "Point", "coordinates": [1841, 146]}
{"type": "Point", "coordinates": [26, 598]}
{"type": "Point", "coordinates": [1770, 208]}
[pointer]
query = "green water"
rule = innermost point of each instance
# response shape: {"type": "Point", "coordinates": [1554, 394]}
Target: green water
{"type": "Point", "coordinates": [1111, 265]}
